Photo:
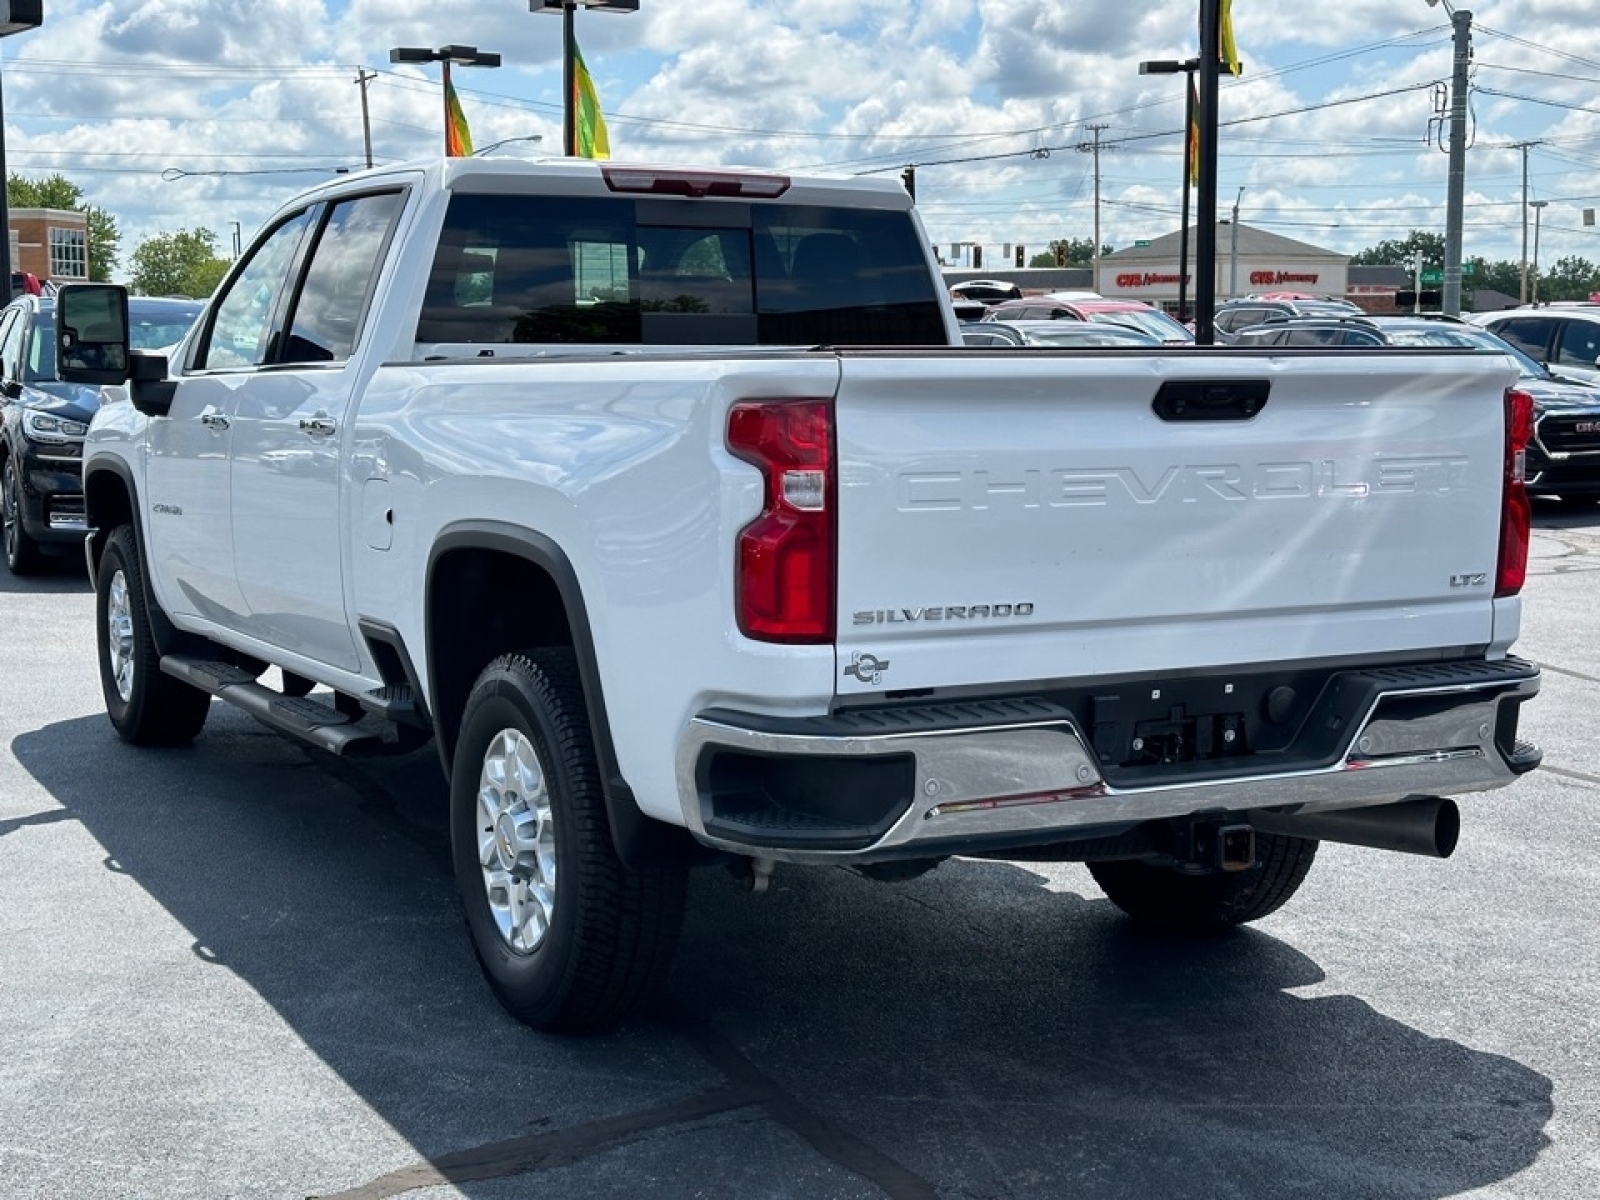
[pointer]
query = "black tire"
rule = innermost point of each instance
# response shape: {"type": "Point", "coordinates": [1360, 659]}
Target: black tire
{"type": "Point", "coordinates": [23, 556]}
{"type": "Point", "coordinates": [146, 707]}
{"type": "Point", "coordinates": [604, 942]}
{"type": "Point", "coordinates": [1162, 898]}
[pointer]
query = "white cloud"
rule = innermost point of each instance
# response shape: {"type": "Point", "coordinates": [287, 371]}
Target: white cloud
{"type": "Point", "coordinates": [113, 92]}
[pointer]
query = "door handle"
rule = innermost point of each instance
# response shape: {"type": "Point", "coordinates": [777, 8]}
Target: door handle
{"type": "Point", "coordinates": [214, 420]}
{"type": "Point", "coordinates": [319, 426]}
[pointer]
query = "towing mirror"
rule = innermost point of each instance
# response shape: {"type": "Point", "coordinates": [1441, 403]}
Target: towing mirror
{"type": "Point", "coordinates": [92, 333]}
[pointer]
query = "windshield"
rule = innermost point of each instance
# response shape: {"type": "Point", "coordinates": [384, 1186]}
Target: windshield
{"type": "Point", "coordinates": [1468, 338]}
{"type": "Point", "coordinates": [146, 331]}
{"type": "Point", "coordinates": [1076, 333]}
{"type": "Point", "coordinates": [1157, 324]}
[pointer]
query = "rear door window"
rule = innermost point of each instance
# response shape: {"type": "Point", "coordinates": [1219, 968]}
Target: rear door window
{"type": "Point", "coordinates": [657, 271]}
{"type": "Point", "coordinates": [1579, 345]}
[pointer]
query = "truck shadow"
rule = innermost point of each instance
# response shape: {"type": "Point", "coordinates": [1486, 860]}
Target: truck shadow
{"type": "Point", "coordinates": [970, 1034]}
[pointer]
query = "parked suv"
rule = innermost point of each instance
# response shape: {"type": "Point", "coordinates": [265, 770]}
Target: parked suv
{"type": "Point", "coordinates": [1235, 315]}
{"type": "Point", "coordinates": [1130, 314]}
{"type": "Point", "coordinates": [1312, 331]}
{"type": "Point", "coordinates": [1566, 337]}
{"type": "Point", "coordinates": [43, 422]}
{"type": "Point", "coordinates": [1564, 455]}
{"type": "Point", "coordinates": [987, 291]}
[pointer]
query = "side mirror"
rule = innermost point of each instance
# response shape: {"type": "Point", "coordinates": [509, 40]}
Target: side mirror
{"type": "Point", "coordinates": [92, 333]}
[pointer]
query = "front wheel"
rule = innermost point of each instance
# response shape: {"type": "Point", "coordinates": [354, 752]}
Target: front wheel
{"type": "Point", "coordinates": [568, 937]}
{"type": "Point", "coordinates": [146, 707]}
{"type": "Point", "coordinates": [1162, 898]}
{"type": "Point", "coordinates": [23, 556]}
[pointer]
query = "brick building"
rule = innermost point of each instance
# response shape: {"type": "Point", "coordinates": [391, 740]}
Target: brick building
{"type": "Point", "coordinates": [51, 243]}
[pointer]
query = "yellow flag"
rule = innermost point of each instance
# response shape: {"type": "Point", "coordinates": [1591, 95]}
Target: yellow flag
{"type": "Point", "coordinates": [1230, 49]}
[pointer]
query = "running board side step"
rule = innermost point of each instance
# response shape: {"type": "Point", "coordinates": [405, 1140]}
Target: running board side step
{"type": "Point", "coordinates": [300, 717]}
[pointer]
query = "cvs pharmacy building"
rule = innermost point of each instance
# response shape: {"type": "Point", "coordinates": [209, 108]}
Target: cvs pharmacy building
{"type": "Point", "coordinates": [1249, 261]}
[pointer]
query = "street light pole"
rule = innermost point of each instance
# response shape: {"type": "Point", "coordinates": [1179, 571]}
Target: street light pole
{"type": "Point", "coordinates": [1538, 207]}
{"type": "Point", "coordinates": [16, 16]}
{"type": "Point", "coordinates": [569, 56]}
{"type": "Point", "coordinates": [1187, 70]}
{"type": "Point", "coordinates": [466, 56]}
{"type": "Point", "coordinates": [1205, 255]}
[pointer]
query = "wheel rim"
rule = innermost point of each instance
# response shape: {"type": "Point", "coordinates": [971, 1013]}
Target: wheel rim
{"type": "Point", "coordinates": [119, 634]}
{"type": "Point", "coordinates": [516, 841]}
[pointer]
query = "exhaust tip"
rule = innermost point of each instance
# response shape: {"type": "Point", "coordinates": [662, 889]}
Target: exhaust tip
{"type": "Point", "coordinates": [1446, 828]}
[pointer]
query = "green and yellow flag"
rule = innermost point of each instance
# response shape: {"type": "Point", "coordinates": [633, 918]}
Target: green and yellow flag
{"type": "Point", "coordinates": [1230, 49]}
{"type": "Point", "coordinates": [457, 137]}
{"type": "Point", "coordinates": [589, 123]}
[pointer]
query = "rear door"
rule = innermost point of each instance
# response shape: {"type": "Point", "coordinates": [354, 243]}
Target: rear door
{"type": "Point", "coordinates": [1038, 519]}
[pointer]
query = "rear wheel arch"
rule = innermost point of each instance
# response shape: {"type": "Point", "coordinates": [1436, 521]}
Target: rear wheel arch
{"type": "Point", "coordinates": [472, 569]}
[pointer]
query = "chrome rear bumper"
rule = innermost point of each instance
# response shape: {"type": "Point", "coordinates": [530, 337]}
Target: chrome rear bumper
{"type": "Point", "coordinates": [1022, 770]}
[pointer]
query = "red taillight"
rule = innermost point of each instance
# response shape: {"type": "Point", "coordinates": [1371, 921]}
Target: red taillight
{"type": "Point", "coordinates": [1516, 513]}
{"type": "Point", "coordinates": [784, 586]}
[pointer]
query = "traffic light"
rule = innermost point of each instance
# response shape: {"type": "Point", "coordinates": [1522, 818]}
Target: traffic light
{"type": "Point", "coordinates": [1061, 254]}
{"type": "Point", "coordinates": [1409, 299]}
{"type": "Point", "coordinates": [977, 258]}
{"type": "Point", "coordinates": [1021, 256]}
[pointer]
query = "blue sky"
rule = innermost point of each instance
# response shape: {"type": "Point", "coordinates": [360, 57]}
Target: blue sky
{"type": "Point", "coordinates": [175, 114]}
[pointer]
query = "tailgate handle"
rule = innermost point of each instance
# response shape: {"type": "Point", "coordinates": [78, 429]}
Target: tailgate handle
{"type": "Point", "coordinates": [1211, 399]}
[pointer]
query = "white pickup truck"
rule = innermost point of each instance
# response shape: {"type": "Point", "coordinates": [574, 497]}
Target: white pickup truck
{"type": "Point", "coordinates": [665, 502]}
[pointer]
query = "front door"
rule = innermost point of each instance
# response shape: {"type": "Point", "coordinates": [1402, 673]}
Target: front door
{"type": "Point", "coordinates": [189, 522]}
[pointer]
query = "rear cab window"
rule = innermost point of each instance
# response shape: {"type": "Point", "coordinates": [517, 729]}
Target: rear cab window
{"type": "Point", "coordinates": [658, 271]}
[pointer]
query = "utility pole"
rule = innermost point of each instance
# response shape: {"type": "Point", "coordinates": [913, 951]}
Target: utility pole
{"type": "Point", "coordinates": [1094, 148]}
{"type": "Point", "coordinates": [1233, 252]}
{"type": "Point", "coordinates": [364, 77]}
{"type": "Point", "coordinates": [1522, 291]}
{"type": "Point", "coordinates": [1455, 191]}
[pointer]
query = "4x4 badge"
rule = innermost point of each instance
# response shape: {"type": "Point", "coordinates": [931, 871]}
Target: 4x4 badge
{"type": "Point", "coordinates": [867, 667]}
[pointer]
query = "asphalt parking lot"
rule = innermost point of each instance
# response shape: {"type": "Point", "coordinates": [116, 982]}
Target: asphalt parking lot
{"type": "Point", "coordinates": [238, 970]}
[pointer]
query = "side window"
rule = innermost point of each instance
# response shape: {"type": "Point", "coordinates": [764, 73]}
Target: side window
{"type": "Point", "coordinates": [1531, 335]}
{"type": "Point", "coordinates": [1357, 337]}
{"type": "Point", "coordinates": [241, 331]}
{"type": "Point", "coordinates": [338, 283]}
{"type": "Point", "coordinates": [1579, 345]}
{"type": "Point", "coordinates": [11, 344]}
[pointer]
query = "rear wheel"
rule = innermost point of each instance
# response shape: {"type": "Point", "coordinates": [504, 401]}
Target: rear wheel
{"type": "Point", "coordinates": [146, 707]}
{"type": "Point", "coordinates": [1163, 898]}
{"type": "Point", "coordinates": [568, 937]}
{"type": "Point", "coordinates": [23, 556]}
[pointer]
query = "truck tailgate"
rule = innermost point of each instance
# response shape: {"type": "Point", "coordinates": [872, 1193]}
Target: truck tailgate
{"type": "Point", "coordinates": [1030, 515]}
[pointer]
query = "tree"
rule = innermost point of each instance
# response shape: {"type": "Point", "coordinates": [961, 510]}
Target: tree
{"type": "Point", "coordinates": [1078, 252]}
{"type": "Point", "coordinates": [1392, 253]}
{"type": "Point", "coordinates": [178, 264]}
{"type": "Point", "coordinates": [1570, 278]}
{"type": "Point", "coordinates": [57, 191]}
